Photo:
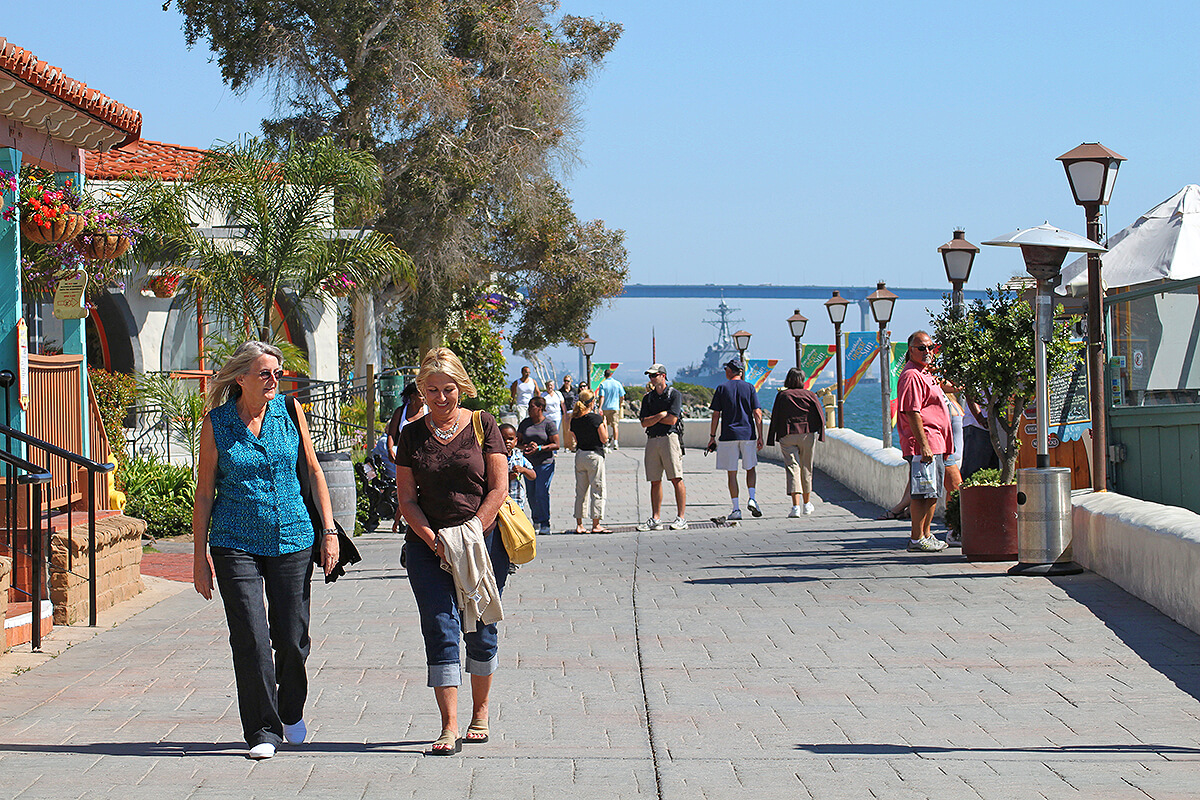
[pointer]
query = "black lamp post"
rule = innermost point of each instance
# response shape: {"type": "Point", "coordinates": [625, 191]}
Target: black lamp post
{"type": "Point", "coordinates": [883, 303]}
{"type": "Point", "coordinates": [836, 308]}
{"type": "Point", "coordinates": [957, 256]}
{"type": "Point", "coordinates": [588, 346]}
{"type": "Point", "coordinates": [1092, 171]}
{"type": "Point", "coordinates": [797, 323]}
{"type": "Point", "coordinates": [741, 340]}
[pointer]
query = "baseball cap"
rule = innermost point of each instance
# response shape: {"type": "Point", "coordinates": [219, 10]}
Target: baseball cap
{"type": "Point", "coordinates": [733, 364]}
{"type": "Point", "coordinates": [656, 369]}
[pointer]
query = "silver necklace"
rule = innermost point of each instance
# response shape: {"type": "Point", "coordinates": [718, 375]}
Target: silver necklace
{"type": "Point", "coordinates": [447, 435]}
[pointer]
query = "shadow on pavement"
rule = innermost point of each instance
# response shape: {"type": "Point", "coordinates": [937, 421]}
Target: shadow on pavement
{"type": "Point", "coordinates": [1167, 646]}
{"type": "Point", "coordinates": [866, 749]}
{"type": "Point", "coordinates": [176, 749]}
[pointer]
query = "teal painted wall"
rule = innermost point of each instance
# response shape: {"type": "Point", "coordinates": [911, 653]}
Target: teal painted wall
{"type": "Point", "coordinates": [1162, 454]}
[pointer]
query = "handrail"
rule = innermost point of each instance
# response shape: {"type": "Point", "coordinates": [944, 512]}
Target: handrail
{"type": "Point", "coordinates": [38, 554]}
{"type": "Point", "coordinates": [55, 450]}
{"type": "Point", "coordinates": [34, 473]}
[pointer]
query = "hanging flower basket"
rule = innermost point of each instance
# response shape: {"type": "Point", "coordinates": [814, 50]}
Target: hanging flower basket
{"type": "Point", "coordinates": [104, 246]}
{"type": "Point", "coordinates": [163, 285]}
{"type": "Point", "coordinates": [63, 227]}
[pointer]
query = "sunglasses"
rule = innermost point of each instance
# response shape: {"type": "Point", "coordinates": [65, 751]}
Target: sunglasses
{"type": "Point", "coordinates": [923, 348]}
{"type": "Point", "coordinates": [267, 375]}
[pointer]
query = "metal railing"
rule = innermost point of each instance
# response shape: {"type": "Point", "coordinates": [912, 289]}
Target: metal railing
{"type": "Point", "coordinates": [23, 476]}
{"type": "Point", "coordinates": [39, 510]}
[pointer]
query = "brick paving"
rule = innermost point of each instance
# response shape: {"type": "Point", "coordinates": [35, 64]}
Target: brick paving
{"type": "Point", "coordinates": [808, 658]}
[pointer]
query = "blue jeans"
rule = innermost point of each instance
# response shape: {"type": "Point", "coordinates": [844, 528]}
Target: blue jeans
{"type": "Point", "coordinates": [441, 624]}
{"type": "Point", "coordinates": [271, 690]}
{"type": "Point", "coordinates": [538, 490]}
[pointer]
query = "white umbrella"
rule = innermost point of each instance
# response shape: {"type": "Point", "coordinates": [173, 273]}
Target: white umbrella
{"type": "Point", "coordinates": [1163, 244]}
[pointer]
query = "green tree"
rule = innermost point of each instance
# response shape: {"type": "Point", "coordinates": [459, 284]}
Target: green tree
{"type": "Point", "coordinates": [479, 347]}
{"type": "Point", "coordinates": [987, 349]}
{"type": "Point", "coordinates": [471, 109]}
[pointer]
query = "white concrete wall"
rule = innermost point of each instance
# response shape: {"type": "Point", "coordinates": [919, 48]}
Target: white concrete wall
{"type": "Point", "coordinates": [1151, 551]}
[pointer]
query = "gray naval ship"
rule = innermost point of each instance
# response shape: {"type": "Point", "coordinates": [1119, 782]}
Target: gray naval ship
{"type": "Point", "coordinates": [710, 371]}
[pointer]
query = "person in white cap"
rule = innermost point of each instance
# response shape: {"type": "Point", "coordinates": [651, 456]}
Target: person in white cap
{"type": "Point", "coordinates": [662, 408]}
{"type": "Point", "coordinates": [735, 409]}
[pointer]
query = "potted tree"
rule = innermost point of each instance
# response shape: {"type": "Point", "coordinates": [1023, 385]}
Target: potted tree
{"type": "Point", "coordinates": [986, 348]}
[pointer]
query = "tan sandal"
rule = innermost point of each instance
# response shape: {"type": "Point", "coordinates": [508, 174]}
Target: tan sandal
{"type": "Point", "coordinates": [446, 745]}
{"type": "Point", "coordinates": [477, 732]}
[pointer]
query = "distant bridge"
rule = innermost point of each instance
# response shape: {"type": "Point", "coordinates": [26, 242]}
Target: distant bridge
{"type": "Point", "coordinates": [770, 291]}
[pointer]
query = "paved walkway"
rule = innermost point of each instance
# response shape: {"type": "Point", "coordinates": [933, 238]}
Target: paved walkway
{"type": "Point", "coordinates": [779, 658]}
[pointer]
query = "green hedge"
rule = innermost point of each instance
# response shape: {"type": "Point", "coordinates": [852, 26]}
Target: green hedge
{"type": "Point", "coordinates": [160, 493]}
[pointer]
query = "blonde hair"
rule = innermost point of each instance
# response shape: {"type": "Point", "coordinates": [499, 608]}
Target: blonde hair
{"type": "Point", "coordinates": [586, 396]}
{"type": "Point", "coordinates": [442, 360]}
{"type": "Point", "coordinates": [224, 383]}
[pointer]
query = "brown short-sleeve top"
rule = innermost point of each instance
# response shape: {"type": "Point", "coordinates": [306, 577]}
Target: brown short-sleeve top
{"type": "Point", "coordinates": [450, 477]}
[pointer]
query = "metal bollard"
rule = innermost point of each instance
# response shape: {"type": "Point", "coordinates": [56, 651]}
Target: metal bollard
{"type": "Point", "coordinates": [1044, 522]}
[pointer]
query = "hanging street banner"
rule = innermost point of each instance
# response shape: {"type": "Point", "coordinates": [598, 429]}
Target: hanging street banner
{"type": "Point", "coordinates": [598, 372]}
{"type": "Point", "coordinates": [813, 359]}
{"type": "Point", "coordinates": [757, 370]}
{"type": "Point", "coordinates": [861, 349]}
{"type": "Point", "coordinates": [899, 351]}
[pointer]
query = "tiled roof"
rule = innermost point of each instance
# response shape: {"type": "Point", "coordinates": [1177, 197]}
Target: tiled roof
{"type": "Point", "coordinates": [145, 158]}
{"type": "Point", "coordinates": [42, 97]}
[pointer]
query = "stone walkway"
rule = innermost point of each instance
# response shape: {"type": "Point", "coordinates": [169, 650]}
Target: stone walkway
{"type": "Point", "coordinates": [779, 658]}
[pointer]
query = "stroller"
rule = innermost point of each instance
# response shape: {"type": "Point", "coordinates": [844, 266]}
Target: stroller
{"type": "Point", "coordinates": [379, 488]}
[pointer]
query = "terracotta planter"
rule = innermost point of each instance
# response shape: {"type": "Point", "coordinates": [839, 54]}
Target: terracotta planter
{"type": "Point", "coordinates": [989, 522]}
{"type": "Point", "coordinates": [104, 246]}
{"type": "Point", "coordinates": [62, 229]}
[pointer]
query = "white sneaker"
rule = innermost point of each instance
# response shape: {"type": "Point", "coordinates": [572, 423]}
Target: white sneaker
{"type": "Point", "coordinates": [261, 751]}
{"type": "Point", "coordinates": [295, 733]}
{"type": "Point", "coordinates": [754, 509]}
{"type": "Point", "coordinates": [614, 447]}
{"type": "Point", "coordinates": [680, 524]}
{"type": "Point", "coordinates": [809, 508]}
{"type": "Point", "coordinates": [651, 524]}
{"type": "Point", "coordinates": [928, 544]}
{"type": "Point", "coordinates": [794, 513]}
{"type": "Point", "coordinates": [734, 515]}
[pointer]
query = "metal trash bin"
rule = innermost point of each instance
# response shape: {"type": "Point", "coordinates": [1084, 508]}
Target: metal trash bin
{"type": "Point", "coordinates": [1044, 522]}
{"type": "Point", "coordinates": [391, 384]}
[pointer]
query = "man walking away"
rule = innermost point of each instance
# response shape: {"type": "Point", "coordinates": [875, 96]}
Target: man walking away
{"type": "Point", "coordinates": [611, 393]}
{"type": "Point", "coordinates": [735, 409]}
{"type": "Point", "coordinates": [661, 409]}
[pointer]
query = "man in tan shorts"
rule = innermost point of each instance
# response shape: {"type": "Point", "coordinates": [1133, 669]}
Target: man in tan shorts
{"type": "Point", "coordinates": [662, 407]}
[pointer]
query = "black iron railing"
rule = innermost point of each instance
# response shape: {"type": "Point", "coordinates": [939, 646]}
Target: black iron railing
{"type": "Point", "coordinates": [40, 509]}
{"type": "Point", "coordinates": [23, 476]}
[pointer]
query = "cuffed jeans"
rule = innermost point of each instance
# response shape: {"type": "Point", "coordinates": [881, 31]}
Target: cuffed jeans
{"type": "Point", "coordinates": [538, 490]}
{"type": "Point", "coordinates": [270, 689]}
{"type": "Point", "coordinates": [441, 624]}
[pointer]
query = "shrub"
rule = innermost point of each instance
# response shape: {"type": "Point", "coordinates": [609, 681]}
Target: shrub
{"type": "Point", "coordinates": [160, 493]}
{"type": "Point", "coordinates": [114, 392]}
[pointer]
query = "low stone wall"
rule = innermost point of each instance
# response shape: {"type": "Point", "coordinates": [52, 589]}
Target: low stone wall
{"type": "Point", "coordinates": [118, 567]}
{"type": "Point", "coordinates": [5, 582]}
{"type": "Point", "coordinates": [1150, 550]}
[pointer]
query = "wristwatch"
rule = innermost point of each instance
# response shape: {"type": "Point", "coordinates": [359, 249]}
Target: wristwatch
{"type": "Point", "coordinates": [330, 532]}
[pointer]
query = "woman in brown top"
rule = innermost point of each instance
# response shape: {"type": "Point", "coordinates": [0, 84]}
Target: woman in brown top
{"type": "Point", "coordinates": [444, 477]}
{"type": "Point", "coordinates": [797, 421]}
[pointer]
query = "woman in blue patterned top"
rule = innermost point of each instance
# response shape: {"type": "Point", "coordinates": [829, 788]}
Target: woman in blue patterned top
{"type": "Point", "coordinates": [249, 513]}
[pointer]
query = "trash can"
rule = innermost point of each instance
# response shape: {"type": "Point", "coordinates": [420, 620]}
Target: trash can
{"type": "Point", "coordinates": [343, 492]}
{"type": "Point", "coordinates": [1044, 522]}
{"type": "Point", "coordinates": [391, 384]}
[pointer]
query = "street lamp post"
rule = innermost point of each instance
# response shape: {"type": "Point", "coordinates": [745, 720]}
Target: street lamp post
{"type": "Point", "coordinates": [957, 256]}
{"type": "Point", "coordinates": [741, 340]}
{"type": "Point", "coordinates": [1092, 171]}
{"type": "Point", "coordinates": [836, 308]}
{"type": "Point", "coordinates": [797, 323]}
{"type": "Point", "coordinates": [882, 303]}
{"type": "Point", "coordinates": [588, 346]}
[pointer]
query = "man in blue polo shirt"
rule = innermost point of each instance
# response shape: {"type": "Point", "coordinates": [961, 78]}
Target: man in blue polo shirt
{"type": "Point", "coordinates": [735, 409]}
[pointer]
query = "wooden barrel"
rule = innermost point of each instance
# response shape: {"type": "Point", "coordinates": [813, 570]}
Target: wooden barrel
{"type": "Point", "coordinates": [339, 477]}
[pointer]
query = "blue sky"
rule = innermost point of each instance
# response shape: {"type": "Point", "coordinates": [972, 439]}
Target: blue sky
{"type": "Point", "coordinates": [780, 142]}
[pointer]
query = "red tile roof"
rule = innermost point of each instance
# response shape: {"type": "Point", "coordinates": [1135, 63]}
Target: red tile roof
{"type": "Point", "coordinates": [25, 66]}
{"type": "Point", "coordinates": [145, 158]}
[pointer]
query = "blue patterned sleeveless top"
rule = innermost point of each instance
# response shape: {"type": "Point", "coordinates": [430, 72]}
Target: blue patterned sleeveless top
{"type": "Point", "coordinates": [258, 507]}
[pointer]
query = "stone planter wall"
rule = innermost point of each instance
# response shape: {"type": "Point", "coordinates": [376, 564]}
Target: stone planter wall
{"type": "Point", "coordinates": [118, 567]}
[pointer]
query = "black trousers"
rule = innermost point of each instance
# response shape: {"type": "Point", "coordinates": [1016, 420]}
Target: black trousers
{"type": "Point", "coordinates": [978, 452]}
{"type": "Point", "coordinates": [270, 642]}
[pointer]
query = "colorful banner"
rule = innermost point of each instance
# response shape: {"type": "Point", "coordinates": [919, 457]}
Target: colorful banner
{"type": "Point", "coordinates": [860, 352]}
{"type": "Point", "coordinates": [598, 372]}
{"type": "Point", "coordinates": [813, 359]}
{"type": "Point", "coordinates": [897, 366]}
{"type": "Point", "coordinates": [757, 370]}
